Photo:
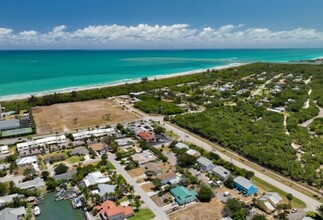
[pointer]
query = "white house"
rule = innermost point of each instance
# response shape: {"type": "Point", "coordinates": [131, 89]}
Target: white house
{"type": "Point", "coordinates": [25, 161]}
{"type": "Point", "coordinates": [95, 133]}
{"type": "Point", "coordinates": [25, 147]}
{"type": "Point", "coordinates": [4, 149]}
{"type": "Point", "coordinates": [181, 145]}
{"type": "Point", "coordinates": [35, 183]}
{"type": "Point", "coordinates": [95, 178]}
{"type": "Point", "coordinates": [205, 163]}
{"type": "Point", "coordinates": [221, 172]}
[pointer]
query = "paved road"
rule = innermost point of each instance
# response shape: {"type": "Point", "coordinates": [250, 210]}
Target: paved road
{"type": "Point", "coordinates": [160, 215]}
{"type": "Point", "coordinates": [310, 203]}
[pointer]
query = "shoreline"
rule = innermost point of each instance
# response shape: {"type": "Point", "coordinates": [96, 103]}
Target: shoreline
{"type": "Point", "coordinates": [115, 83]}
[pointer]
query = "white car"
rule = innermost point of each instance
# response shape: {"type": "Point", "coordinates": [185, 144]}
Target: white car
{"type": "Point", "coordinates": [226, 193]}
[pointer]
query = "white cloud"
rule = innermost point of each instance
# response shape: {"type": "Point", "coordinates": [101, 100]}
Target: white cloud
{"type": "Point", "coordinates": [160, 36]}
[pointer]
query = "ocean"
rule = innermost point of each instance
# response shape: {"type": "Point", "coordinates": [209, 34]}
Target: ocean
{"type": "Point", "coordinates": [23, 73]}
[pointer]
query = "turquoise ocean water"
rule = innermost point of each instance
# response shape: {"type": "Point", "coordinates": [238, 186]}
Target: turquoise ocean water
{"type": "Point", "coordinates": [36, 72]}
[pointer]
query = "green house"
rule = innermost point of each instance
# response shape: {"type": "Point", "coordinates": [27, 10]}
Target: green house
{"type": "Point", "coordinates": [183, 196]}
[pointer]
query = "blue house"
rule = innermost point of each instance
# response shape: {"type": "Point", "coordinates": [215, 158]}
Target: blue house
{"type": "Point", "coordinates": [245, 185]}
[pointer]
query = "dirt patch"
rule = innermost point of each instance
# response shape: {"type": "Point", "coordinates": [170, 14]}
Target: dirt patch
{"type": "Point", "coordinates": [137, 172]}
{"type": "Point", "coordinates": [75, 115]}
{"type": "Point", "coordinates": [160, 200]}
{"type": "Point", "coordinates": [148, 187]}
{"type": "Point", "coordinates": [205, 211]}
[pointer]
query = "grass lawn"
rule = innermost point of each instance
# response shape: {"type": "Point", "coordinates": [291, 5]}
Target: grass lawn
{"type": "Point", "coordinates": [143, 214]}
{"type": "Point", "coordinates": [268, 187]}
{"type": "Point", "coordinates": [74, 159]}
{"type": "Point", "coordinates": [42, 165]}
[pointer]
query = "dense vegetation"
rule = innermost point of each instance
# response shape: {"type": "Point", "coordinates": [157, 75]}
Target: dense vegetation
{"type": "Point", "coordinates": [158, 107]}
{"type": "Point", "coordinates": [248, 128]}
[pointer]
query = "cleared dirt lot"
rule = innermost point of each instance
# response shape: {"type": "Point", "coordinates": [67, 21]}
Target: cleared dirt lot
{"type": "Point", "coordinates": [74, 115]}
{"type": "Point", "coordinates": [205, 211]}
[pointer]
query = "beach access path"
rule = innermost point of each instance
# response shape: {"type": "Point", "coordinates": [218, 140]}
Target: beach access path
{"type": "Point", "coordinates": [285, 185]}
{"type": "Point", "coordinates": [160, 215]}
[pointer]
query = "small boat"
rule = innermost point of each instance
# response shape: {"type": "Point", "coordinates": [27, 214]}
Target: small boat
{"type": "Point", "coordinates": [37, 210]}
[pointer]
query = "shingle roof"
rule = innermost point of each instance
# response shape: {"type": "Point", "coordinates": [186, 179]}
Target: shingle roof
{"type": "Point", "coordinates": [106, 189]}
{"type": "Point", "coordinates": [12, 213]}
{"type": "Point", "coordinates": [167, 176]}
{"type": "Point", "coordinates": [108, 208]}
{"type": "Point", "coordinates": [146, 136]}
{"type": "Point", "coordinates": [204, 161]}
{"type": "Point", "coordinates": [37, 183]}
{"type": "Point", "coordinates": [67, 176]}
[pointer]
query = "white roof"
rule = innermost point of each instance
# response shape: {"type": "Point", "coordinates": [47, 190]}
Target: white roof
{"type": "Point", "coordinates": [95, 133]}
{"type": "Point", "coordinates": [274, 197]}
{"type": "Point", "coordinates": [181, 145]}
{"type": "Point", "coordinates": [43, 141]}
{"type": "Point", "coordinates": [4, 149]}
{"type": "Point", "coordinates": [9, 198]}
{"type": "Point", "coordinates": [124, 141]}
{"type": "Point", "coordinates": [95, 178]}
{"type": "Point", "coordinates": [192, 152]}
{"type": "Point", "coordinates": [26, 160]}
{"type": "Point", "coordinates": [269, 206]}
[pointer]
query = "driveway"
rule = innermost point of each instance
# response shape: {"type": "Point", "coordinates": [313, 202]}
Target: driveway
{"type": "Point", "coordinates": [160, 215]}
{"type": "Point", "coordinates": [311, 203]}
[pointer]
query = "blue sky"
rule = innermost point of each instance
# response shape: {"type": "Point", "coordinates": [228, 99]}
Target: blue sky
{"type": "Point", "coordinates": [187, 23]}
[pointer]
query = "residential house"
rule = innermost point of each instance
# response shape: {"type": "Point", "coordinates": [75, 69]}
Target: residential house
{"type": "Point", "coordinates": [82, 151]}
{"type": "Point", "coordinates": [181, 145]}
{"type": "Point", "coordinates": [245, 185]}
{"type": "Point", "coordinates": [36, 146]}
{"type": "Point", "coordinates": [205, 164]}
{"type": "Point", "coordinates": [95, 178]}
{"type": "Point", "coordinates": [4, 149]}
{"type": "Point", "coordinates": [221, 172]}
{"type": "Point", "coordinates": [109, 211]}
{"type": "Point", "coordinates": [169, 178]}
{"type": "Point", "coordinates": [156, 167]}
{"type": "Point", "coordinates": [28, 161]}
{"type": "Point", "coordinates": [8, 198]}
{"type": "Point", "coordinates": [269, 201]}
{"type": "Point", "coordinates": [65, 176]}
{"type": "Point", "coordinates": [104, 190]}
{"type": "Point", "coordinates": [99, 148]}
{"type": "Point", "coordinates": [37, 183]}
{"type": "Point", "coordinates": [146, 136]}
{"type": "Point", "coordinates": [144, 157]}
{"type": "Point", "coordinates": [93, 133]}
{"type": "Point", "coordinates": [124, 142]}
{"type": "Point", "coordinates": [183, 196]}
{"type": "Point", "coordinates": [13, 213]}
{"type": "Point", "coordinates": [193, 152]}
